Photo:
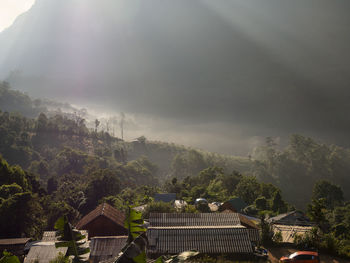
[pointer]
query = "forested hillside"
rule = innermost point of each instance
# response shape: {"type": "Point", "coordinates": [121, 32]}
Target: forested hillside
{"type": "Point", "coordinates": [49, 133]}
{"type": "Point", "coordinates": [297, 167]}
{"type": "Point", "coordinates": [52, 164]}
{"type": "Point", "coordinates": [54, 144]}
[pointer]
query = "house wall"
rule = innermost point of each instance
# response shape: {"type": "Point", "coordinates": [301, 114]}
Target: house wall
{"type": "Point", "coordinates": [227, 206]}
{"type": "Point", "coordinates": [102, 226]}
{"type": "Point", "coordinates": [16, 249]}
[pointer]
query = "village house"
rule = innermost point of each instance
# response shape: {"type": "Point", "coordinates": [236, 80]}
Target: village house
{"type": "Point", "coordinates": [290, 224]}
{"type": "Point", "coordinates": [45, 250]}
{"type": "Point", "coordinates": [235, 205]}
{"type": "Point", "coordinates": [14, 245]}
{"type": "Point", "coordinates": [104, 220]}
{"type": "Point", "coordinates": [291, 218]}
{"type": "Point", "coordinates": [209, 233]}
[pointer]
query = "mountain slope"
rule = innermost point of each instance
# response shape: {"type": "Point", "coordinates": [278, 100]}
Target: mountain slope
{"type": "Point", "coordinates": [265, 68]}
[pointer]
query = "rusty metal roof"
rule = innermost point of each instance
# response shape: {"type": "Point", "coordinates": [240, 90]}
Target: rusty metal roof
{"type": "Point", "coordinates": [14, 241]}
{"type": "Point", "coordinates": [190, 219]}
{"type": "Point", "coordinates": [104, 248]}
{"type": "Point", "coordinates": [205, 240]}
{"type": "Point", "coordinates": [102, 210]}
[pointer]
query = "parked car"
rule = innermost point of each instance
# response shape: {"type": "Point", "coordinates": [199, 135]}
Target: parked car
{"type": "Point", "coordinates": [301, 257]}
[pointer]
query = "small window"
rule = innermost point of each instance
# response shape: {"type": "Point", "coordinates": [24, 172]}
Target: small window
{"type": "Point", "coordinates": [304, 257]}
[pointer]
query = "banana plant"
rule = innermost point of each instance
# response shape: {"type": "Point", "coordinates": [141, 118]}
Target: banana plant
{"type": "Point", "coordinates": [72, 239]}
{"type": "Point", "coordinates": [135, 249]}
{"type": "Point", "coordinates": [9, 258]}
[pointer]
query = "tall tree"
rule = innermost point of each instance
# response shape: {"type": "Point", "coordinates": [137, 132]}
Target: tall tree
{"type": "Point", "coordinates": [332, 194]}
{"type": "Point", "coordinates": [248, 189]}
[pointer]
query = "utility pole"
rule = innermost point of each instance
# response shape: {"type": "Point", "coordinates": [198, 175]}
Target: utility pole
{"type": "Point", "coordinates": [122, 124]}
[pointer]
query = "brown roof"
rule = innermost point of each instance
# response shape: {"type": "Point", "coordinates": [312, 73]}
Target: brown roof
{"type": "Point", "coordinates": [14, 241]}
{"type": "Point", "coordinates": [102, 210]}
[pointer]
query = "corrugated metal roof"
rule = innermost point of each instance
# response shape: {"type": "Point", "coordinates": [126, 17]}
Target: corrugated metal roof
{"type": "Point", "coordinates": [102, 210]}
{"type": "Point", "coordinates": [14, 241]}
{"type": "Point", "coordinates": [291, 218]}
{"type": "Point", "coordinates": [50, 236]}
{"type": "Point", "coordinates": [44, 252]}
{"type": "Point", "coordinates": [204, 240]}
{"type": "Point", "coordinates": [104, 248]}
{"type": "Point", "coordinates": [194, 227]}
{"type": "Point", "coordinates": [254, 234]}
{"type": "Point", "coordinates": [190, 219]}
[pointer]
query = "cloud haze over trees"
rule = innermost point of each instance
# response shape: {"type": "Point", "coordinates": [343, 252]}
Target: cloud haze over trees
{"type": "Point", "coordinates": [224, 73]}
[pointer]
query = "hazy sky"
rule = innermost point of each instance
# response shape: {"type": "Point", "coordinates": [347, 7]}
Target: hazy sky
{"type": "Point", "coordinates": [220, 75]}
{"type": "Point", "coordinates": [10, 9]}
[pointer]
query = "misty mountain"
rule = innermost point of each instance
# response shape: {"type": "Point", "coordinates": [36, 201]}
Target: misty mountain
{"type": "Point", "coordinates": [234, 70]}
{"type": "Point", "coordinates": [39, 143]}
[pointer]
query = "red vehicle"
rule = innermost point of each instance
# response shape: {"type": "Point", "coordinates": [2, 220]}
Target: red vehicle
{"type": "Point", "coordinates": [301, 257]}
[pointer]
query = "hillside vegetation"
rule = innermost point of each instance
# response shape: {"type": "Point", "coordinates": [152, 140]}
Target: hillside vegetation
{"type": "Point", "coordinates": [53, 164]}
{"type": "Point", "coordinates": [46, 143]}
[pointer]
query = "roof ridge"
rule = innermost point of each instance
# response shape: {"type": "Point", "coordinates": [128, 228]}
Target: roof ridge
{"type": "Point", "coordinates": [103, 208]}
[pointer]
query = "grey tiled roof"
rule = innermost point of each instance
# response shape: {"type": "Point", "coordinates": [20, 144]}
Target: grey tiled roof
{"type": "Point", "coordinates": [205, 240]}
{"type": "Point", "coordinates": [190, 219]}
